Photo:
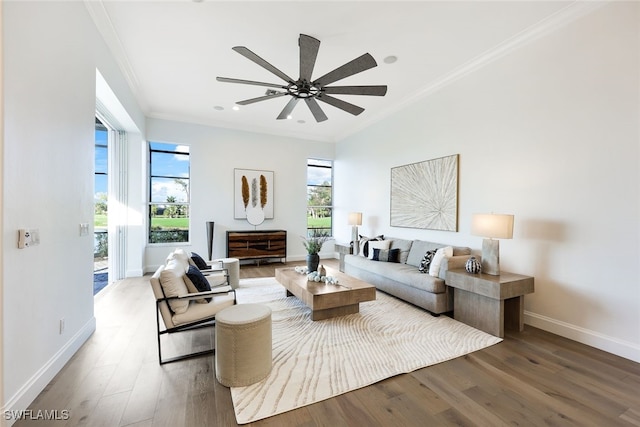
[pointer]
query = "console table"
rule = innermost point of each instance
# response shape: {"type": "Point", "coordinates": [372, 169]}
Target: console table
{"type": "Point", "coordinates": [487, 302]}
{"type": "Point", "coordinates": [343, 249]}
{"type": "Point", "coordinates": [257, 244]}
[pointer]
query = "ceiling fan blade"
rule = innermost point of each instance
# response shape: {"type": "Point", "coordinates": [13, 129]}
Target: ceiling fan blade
{"type": "Point", "coordinates": [309, 47]}
{"type": "Point", "coordinates": [357, 90]}
{"type": "Point", "coordinates": [286, 111]}
{"type": "Point", "coordinates": [317, 112]}
{"type": "Point", "coordinates": [261, 98]}
{"type": "Point", "coordinates": [343, 105]}
{"type": "Point", "coordinates": [249, 82]}
{"type": "Point", "coordinates": [261, 62]}
{"type": "Point", "coordinates": [356, 66]}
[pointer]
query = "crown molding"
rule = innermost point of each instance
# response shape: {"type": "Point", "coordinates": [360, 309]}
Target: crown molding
{"type": "Point", "coordinates": [103, 23]}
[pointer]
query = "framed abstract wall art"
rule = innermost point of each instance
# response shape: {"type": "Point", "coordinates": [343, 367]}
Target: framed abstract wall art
{"type": "Point", "coordinates": [425, 194]}
{"type": "Point", "coordinates": [253, 195]}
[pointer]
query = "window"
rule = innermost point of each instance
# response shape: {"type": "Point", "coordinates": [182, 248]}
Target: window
{"type": "Point", "coordinates": [100, 190]}
{"type": "Point", "coordinates": [319, 196]}
{"type": "Point", "coordinates": [168, 193]}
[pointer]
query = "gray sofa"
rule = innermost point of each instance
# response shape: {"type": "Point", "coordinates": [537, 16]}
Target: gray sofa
{"type": "Point", "coordinates": [402, 279]}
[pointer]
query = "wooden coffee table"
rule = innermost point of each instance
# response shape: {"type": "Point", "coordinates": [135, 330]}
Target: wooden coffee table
{"type": "Point", "coordinates": [325, 300]}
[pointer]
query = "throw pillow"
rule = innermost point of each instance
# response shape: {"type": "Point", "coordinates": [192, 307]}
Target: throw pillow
{"type": "Point", "coordinates": [377, 244]}
{"type": "Point", "coordinates": [364, 244]}
{"type": "Point", "coordinates": [198, 261]}
{"type": "Point", "coordinates": [172, 281]}
{"type": "Point", "coordinates": [392, 255]}
{"type": "Point", "coordinates": [426, 261]}
{"type": "Point", "coordinates": [434, 268]}
{"type": "Point", "coordinates": [196, 279]}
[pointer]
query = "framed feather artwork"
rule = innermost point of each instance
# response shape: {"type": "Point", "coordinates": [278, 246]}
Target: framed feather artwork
{"type": "Point", "coordinates": [425, 194]}
{"type": "Point", "coordinates": [253, 195]}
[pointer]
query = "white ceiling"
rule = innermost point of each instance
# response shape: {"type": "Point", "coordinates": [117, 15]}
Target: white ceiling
{"type": "Point", "coordinates": [172, 51]}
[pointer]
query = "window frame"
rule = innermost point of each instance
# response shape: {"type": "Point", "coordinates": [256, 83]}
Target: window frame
{"type": "Point", "coordinates": [330, 207]}
{"type": "Point", "coordinates": [150, 180]}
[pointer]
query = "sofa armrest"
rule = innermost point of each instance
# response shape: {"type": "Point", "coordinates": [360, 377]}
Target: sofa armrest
{"type": "Point", "coordinates": [452, 263]}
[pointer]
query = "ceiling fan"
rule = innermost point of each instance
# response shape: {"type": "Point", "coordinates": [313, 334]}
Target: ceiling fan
{"type": "Point", "coordinates": [306, 89]}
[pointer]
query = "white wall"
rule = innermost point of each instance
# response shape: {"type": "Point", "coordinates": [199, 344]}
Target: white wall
{"type": "Point", "coordinates": [215, 152]}
{"type": "Point", "coordinates": [50, 54]}
{"type": "Point", "coordinates": [549, 133]}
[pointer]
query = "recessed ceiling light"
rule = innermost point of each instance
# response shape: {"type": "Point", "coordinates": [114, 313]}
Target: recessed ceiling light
{"type": "Point", "coordinates": [390, 59]}
{"type": "Point", "coordinates": [289, 117]}
{"type": "Point", "coordinates": [218, 107]}
{"type": "Point", "coordinates": [301, 121]}
{"type": "Point", "coordinates": [235, 107]}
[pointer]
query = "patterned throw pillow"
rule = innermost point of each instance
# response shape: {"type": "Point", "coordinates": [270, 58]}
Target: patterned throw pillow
{"type": "Point", "coordinates": [426, 261]}
{"type": "Point", "coordinates": [364, 244]}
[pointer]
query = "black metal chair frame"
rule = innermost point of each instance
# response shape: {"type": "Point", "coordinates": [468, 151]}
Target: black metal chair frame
{"type": "Point", "coordinates": [199, 324]}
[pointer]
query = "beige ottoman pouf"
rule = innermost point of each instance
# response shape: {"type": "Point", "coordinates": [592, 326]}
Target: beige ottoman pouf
{"type": "Point", "coordinates": [233, 265]}
{"type": "Point", "coordinates": [243, 344]}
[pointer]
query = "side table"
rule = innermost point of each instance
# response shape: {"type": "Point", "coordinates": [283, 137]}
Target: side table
{"type": "Point", "coordinates": [487, 302]}
{"type": "Point", "coordinates": [343, 249]}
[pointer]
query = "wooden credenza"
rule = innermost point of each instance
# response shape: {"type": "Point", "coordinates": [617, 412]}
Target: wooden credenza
{"type": "Point", "coordinates": [257, 244]}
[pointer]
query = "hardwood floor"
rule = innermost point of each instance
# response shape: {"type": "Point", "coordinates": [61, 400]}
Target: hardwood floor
{"type": "Point", "coordinates": [532, 378]}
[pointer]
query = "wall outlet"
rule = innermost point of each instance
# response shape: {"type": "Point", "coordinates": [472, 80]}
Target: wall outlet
{"type": "Point", "coordinates": [84, 228]}
{"type": "Point", "coordinates": [62, 326]}
{"type": "Point", "coordinates": [28, 237]}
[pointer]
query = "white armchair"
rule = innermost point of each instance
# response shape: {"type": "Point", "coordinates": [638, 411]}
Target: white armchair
{"type": "Point", "coordinates": [181, 308]}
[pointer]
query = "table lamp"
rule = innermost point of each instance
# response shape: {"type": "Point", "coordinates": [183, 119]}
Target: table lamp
{"type": "Point", "coordinates": [355, 219]}
{"type": "Point", "coordinates": [493, 226]}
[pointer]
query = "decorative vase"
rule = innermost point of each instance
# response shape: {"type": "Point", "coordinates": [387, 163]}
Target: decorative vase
{"type": "Point", "coordinates": [473, 266]}
{"type": "Point", "coordinates": [312, 262]}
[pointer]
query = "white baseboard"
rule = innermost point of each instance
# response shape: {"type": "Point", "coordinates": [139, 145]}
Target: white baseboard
{"type": "Point", "coordinates": [613, 345]}
{"type": "Point", "coordinates": [134, 273]}
{"type": "Point", "coordinates": [32, 388]}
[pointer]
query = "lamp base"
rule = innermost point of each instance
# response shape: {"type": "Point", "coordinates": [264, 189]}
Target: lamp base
{"type": "Point", "coordinates": [491, 257]}
{"type": "Point", "coordinates": [354, 239]}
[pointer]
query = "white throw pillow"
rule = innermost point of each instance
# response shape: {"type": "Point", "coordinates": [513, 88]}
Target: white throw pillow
{"type": "Point", "coordinates": [377, 244]}
{"type": "Point", "coordinates": [436, 262]}
{"type": "Point", "coordinates": [172, 281]}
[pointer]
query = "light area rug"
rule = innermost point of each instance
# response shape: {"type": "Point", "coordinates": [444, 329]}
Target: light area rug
{"type": "Point", "coordinates": [314, 361]}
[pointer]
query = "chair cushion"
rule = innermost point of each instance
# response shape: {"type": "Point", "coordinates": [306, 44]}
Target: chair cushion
{"type": "Point", "coordinates": [203, 311]}
{"type": "Point", "coordinates": [172, 282]}
{"type": "Point", "coordinates": [196, 282]}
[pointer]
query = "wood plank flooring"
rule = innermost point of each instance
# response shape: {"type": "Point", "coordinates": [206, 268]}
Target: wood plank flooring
{"type": "Point", "coordinates": [532, 378]}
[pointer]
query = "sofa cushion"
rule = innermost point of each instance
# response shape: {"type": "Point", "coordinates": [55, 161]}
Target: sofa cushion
{"type": "Point", "coordinates": [403, 245]}
{"type": "Point", "coordinates": [436, 262]}
{"type": "Point", "coordinates": [172, 282]}
{"type": "Point", "coordinates": [402, 273]}
{"type": "Point", "coordinates": [390, 255]}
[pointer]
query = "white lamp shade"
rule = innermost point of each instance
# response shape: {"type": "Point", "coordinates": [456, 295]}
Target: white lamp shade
{"type": "Point", "coordinates": [355, 218]}
{"type": "Point", "coordinates": [495, 226]}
